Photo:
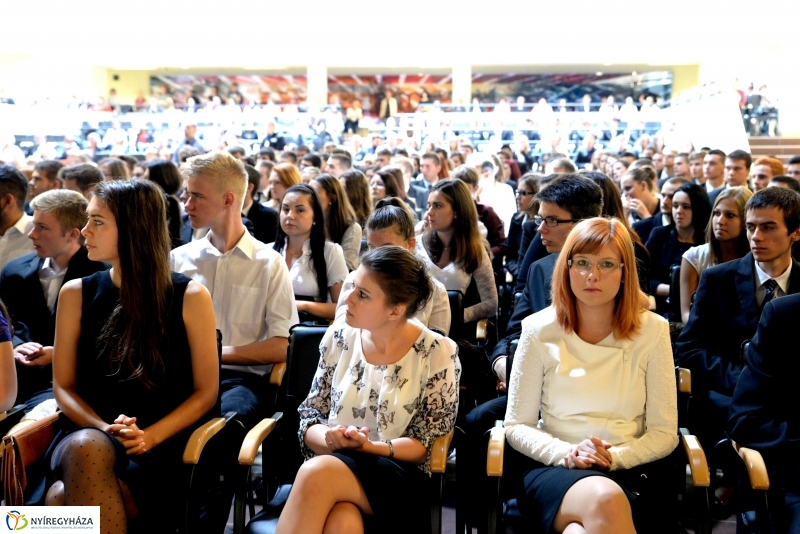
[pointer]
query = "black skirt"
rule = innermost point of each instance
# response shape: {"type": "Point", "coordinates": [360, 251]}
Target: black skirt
{"type": "Point", "coordinates": [397, 492]}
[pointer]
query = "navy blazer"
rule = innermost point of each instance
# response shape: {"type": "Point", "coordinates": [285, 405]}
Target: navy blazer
{"type": "Point", "coordinates": [724, 316]}
{"type": "Point", "coordinates": [513, 241]}
{"type": "Point", "coordinates": [531, 250]}
{"type": "Point", "coordinates": [712, 196]}
{"type": "Point", "coordinates": [418, 189]}
{"type": "Point", "coordinates": [763, 411]}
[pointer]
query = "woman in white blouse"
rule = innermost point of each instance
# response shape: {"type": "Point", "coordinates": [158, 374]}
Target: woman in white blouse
{"type": "Point", "coordinates": [592, 403]}
{"type": "Point", "coordinates": [316, 266]}
{"type": "Point", "coordinates": [341, 225]}
{"type": "Point", "coordinates": [453, 248]}
{"type": "Point", "coordinates": [385, 388]}
{"type": "Point", "coordinates": [726, 240]}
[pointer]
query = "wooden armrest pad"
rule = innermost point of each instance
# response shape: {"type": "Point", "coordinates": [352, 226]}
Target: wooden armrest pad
{"type": "Point", "coordinates": [756, 469]}
{"type": "Point", "coordinates": [197, 441]}
{"type": "Point", "coordinates": [494, 455]}
{"type": "Point", "coordinates": [276, 376]}
{"type": "Point", "coordinates": [480, 331]}
{"type": "Point", "coordinates": [439, 450]}
{"type": "Point", "coordinates": [701, 477]}
{"type": "Point", "coordinates": [684, 381]}
{"type": "Point", "coordinates": [253, 439]}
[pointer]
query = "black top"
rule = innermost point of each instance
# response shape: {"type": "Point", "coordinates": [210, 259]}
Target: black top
{"type": "Point", "coordinates": [110, 394]}
{"type": "Point", "coordinates": [665, 251]}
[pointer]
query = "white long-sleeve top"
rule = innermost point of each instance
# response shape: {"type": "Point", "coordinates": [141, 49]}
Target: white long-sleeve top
{"type": "Point", "coordinates": [621, 391]}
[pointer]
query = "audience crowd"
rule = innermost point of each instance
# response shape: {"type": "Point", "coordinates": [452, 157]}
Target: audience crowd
{"type": "Point", "coordinates": [260, 236]}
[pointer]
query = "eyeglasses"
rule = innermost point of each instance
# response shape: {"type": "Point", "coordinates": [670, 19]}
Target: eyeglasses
{"type": "Point", "coordinates": [524, 194]}
{"type": "Point", "coordinates": [552, 221]}
{"type": "Point", "coordinates": [585, 266]}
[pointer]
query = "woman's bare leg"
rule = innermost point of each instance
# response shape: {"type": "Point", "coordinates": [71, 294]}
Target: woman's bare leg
{"type": "Point", "coordinates": [597, 504]}
{"type": "Point", "coordinates": [345, 518]}
{"type": "Point", "coordinates": [574, 528]}
{"type": "Point", "coordinates": [321, 483]}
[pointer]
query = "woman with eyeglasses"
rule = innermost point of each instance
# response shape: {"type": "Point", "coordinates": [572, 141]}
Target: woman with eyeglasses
{"type": "Point", "coordinates": [592, 409]}
{"type": "Point", "coordinates": [527, 209]}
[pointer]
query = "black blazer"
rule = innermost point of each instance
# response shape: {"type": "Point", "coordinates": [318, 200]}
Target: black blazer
{"type": "Point", "coordinates": [531, 250]}
{"type": "Point", "coordinates": [724, 316]}
{"type": "Point", "coordinates": [418, 189]}
{"type": "Point", "coordinates": [712, 196]}
{"type": "Point", "coordinates": [513, 241]}
{"type": "Point", "coordinates": [265, 222]}
{"type": "Point", "coordinates": [645, 226]}
{"type": "Point", "coordinates": [665, 251]}
{"type": "Point", "coordinates": [763, 411]}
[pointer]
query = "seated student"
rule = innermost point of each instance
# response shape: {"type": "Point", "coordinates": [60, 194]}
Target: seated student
{"type": "Point", "coordinates": [638, 199]}
{"type": "Point", "coordinates": [264, 219]}
{"type": "Point", "coordinates": [726, 240]}
{"type": "Point", "coordinates": [763, 413]}
{"type": "Point", "coordinates": [29, 286]}
{"type": "Point", "coordinates": [8, 372]}
{"type": "Point", "coordinates": [592, 452]}
{"type": "Point", "coordinates": [664, 216]}
{"type": "Point", "coordinates": [282, 177]}
{"type": "Point", "coordinates": [495, 231]}
{"type": "Point", "coordinates": [135, 366]}
{"type": "Point", "coordinates": [341, 226]}
{"type": "Point", "coordinates": [737, 172]}
{"type": "Point", "coordinates": [81, 177]}
{"type": "Point", "coordinates": [366, 437]}
{"type": "Point", "coordinates": [168, 177]}
{"type": "Point", "coordinates": [316, 266]}
{"type": "Point", "coordinates": [453, 250]}
{"type": "Point", "coordinates": [392, 224]}
{"type": "Point", "coordinates": [14, 222]}
{"type": "Point", "coordinates": [728, 305]}
{"type": "Point", "coordinates": [495, 193]}
{"type": "Point", "coordinates": [357, 189]}
{"type": "Point", "coordinates": [388, 182]}
{"type": "Point", "coordinates": [527, 208]}
{"type": "Point", "coordinates": [690, 213]}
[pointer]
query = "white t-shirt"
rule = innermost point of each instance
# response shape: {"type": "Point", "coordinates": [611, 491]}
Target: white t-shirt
{"type": "Point", "coordinates": [304, 279]}
{"type": "Point", "coordinates": [699, 257]}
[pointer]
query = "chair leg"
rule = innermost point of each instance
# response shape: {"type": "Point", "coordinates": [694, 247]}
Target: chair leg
{"type": "Point", "coordinates": [240, 500]}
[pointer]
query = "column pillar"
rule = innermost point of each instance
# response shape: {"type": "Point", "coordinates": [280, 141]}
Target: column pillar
{"type": "Point", "coordinates": [317, 79]}
{"type": "Point", "coordinates": [462, 84]}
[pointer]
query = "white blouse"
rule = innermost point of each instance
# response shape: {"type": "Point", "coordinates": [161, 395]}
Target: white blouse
{"type": "Point", "coordinates": [621, 391]}
{"type": "Point", "coordinates": [415, 397]}
{"type": "Point", "coordinates": [304, 279]}
{"type": "Point", "coordinates": [699, 257]}
{"type": "Point", "coordinates": [351, 245]}
{"type": "Point", "coordinates": [501, 198]}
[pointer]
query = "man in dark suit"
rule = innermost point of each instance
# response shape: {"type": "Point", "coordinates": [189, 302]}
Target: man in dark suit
{"type": "Point", "coordinates": [763, 412]}
{"type": "Point", "coordinates": [664, 218]}
{"type": "Point", "coordinates": [264, 219]}
{"type": "Point", "coordinates": [728, 305]}
{"type": "Point", "coordinates": [29, 286]}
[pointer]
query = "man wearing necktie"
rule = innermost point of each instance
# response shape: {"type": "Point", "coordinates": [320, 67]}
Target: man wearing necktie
{"type": "Point", "coordinates": [728, 305]}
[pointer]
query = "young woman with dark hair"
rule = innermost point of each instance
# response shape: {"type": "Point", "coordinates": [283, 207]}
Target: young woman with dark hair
{"type": "Point", "coordinates": [316, 266]}
{"type": "Point", "coordinates": [341, 225]}
{"type": "Point", "coordinates": [135, 366]}
{"type": "Point", "coordinates": [168, 177]}
{"type": "Point", "coordinates": [357, 189]}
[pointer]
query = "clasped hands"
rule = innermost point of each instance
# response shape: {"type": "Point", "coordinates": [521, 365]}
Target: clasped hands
{"type": "Point", "coordinates": [132, 438]}
{"type": "Point", "coordinates": [341, 437]}
{"type": "Point", "coordinates": [590, 453]}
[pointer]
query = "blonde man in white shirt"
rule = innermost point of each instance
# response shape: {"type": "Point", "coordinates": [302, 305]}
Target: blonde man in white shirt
{"type": "Point", "coordinates": [14, 223]}
{"type": "Point", "coordinates": [592, 403]}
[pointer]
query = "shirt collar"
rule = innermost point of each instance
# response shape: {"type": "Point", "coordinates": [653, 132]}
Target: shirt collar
{"type": "Point", "coordinates": [783, 279]}
{"type": "Point", "coordinates": [22, 224]}
{"type": "Point", "coordinates": [245, 245]}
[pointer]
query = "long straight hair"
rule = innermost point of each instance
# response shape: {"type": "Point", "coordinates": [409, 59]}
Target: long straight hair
{"type": "Point", "coordinates": [468, 250]}
{"type": "Point", "coordinates": [134, 336]}
{"type": "Point", "coordinates": [740, 195]}
{"type": "Point", "coordinates": [340, 213]}
{"type": "Point", "coordinates": [317, 239]}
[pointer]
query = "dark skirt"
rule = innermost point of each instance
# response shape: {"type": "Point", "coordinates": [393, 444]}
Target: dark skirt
{"type": "Point", "coordinates": [397, 492]}
{"type": "Point", "coordinates": [648, 488]}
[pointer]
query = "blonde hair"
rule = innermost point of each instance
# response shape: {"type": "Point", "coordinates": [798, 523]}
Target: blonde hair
{"type": "Point", "coordinates": [226, 172]}
{"type": "Point", "coordinates": [288, 174]}
{"type": "Point", "coordinates": [67, 206]}
{"type": "Point", "coordinates": [589, 236]}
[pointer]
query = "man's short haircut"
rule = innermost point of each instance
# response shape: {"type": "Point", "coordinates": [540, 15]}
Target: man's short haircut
{"type": "Point", "coordinates": [187, 151]}
{"type": "Point", "coordinates": [129, 160]}
{"type": "Point", "coordinates": [563, 163]}
{"type": "Point", "coordinates": [253, 178]}
{"type": "Point", "coordinates": [790, 182]}
{"type": "Point", "coordinates": [717, 152]}
{"type": "Point", "coordinates": [49, 169]}
{"type": "Point", "coordinates": [775, 165]}
{"type": "Point", "coordinates": [487, 166]}
{"type": "Point", "coordinates": [467, 174]}
{"type": "Point", "coordinates": [405, 165]}
{"type": "Point", "coordinates": [740, 155]}
{"type": "Point", "coordinates": [267, 151]}
{"type": "Point", "coordinates": [628, 155]}
{"type": "Point", "coordinates": [700, 154]}
{"type": "Point", "coordinates": [778, 197]}
{"type": "Point", "coordinates": [313, 160]}
{"type": "Point", "coordinates": [15, 183]}
{"type": "Point", "coordinates": [384, 152]}
{"type": "Point", "coordinates": [237, 150]}
{"type": "Point", "coordinates": [794, 160]}
{"type": "Point", "coordinates": [224, 171]}
{"type": "Point", "coordinates": [401, 152]}
{"type": "Point", "coordinates": [684, 155]}
{"type": "Point", "coordinates": [68, 207]}
{"type": "Point", "coordinates": [434, 156]}
{"type": "Point", "coordinates": [344, 161]}
{"type": "Point", "coordinates": [676, 180]}
{"type": "Point", "coordinates": [576, 194]}
{"type": "Point", "coordinates": [291, 156]}
{"type": "Point", "coordinates": [302, 148]}
{"type": "Point", "coordinates": [342, 152]}
{"type": "Point", "coordinates": [86, 175]}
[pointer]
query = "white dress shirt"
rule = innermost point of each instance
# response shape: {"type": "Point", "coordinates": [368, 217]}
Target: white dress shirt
{"type": "Point", "coordinates": [250, 290]}
{"type": "Point", "coordinates": [304, 279]}
{"type": "Point", "coordinates": [51, 281]}
{"type": "Point", "coordinates": [15, 243]}
{"type": "Point", "coordinates": [762, 277]}
{"type": "Point", "coordinates": [435, 314]}
{"type": "Point", "coordinates": [622, 391]}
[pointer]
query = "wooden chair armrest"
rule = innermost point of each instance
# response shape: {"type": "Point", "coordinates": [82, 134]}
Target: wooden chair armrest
{"type": "Point", "coordinates": [276, 376]}
{"type": "Point", "coordinates": [756, 469]}
{"type": "Point", "coordinates": [684, 381]}
{"type": "Point", "coordinates": [701, 476]}
{"type": "Point", "coordinates": [481, 330]}
{"type": "Point", "coordinates": [197, 441]}
{"type": "Point", "coordinates": [256, 436]}
{"type": "Point", "coordinates": [496, 450]}
{"type": "Point", "coordinates": [439, 450]}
